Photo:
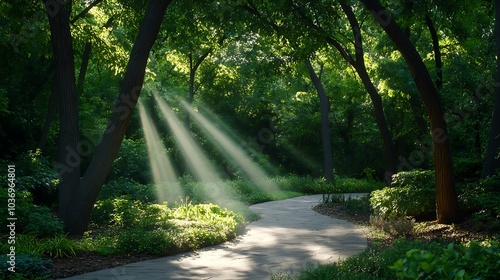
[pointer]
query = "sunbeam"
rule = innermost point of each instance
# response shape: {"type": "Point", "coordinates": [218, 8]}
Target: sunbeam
{"type": "Point", "coordinates": [232, 151]}
{"type": "Point", "coordinates": [194, 156]}
{"type": "Point", "coordinates": [165, 179]}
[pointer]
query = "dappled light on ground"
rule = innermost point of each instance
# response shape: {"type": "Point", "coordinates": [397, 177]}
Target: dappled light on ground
{"type": "Point", "coordinates": [164, 176]}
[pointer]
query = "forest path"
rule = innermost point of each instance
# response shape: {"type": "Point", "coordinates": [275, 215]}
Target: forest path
{"type": "Point", "coordinates": [288, 237]}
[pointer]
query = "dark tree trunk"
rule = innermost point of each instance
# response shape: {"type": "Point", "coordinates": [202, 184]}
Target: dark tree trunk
{"type": "Point", "coordinates": [77, 197]}
{"type": "Point", "coordinates": [446, 199]}
{"type": "Point", "coordinates": [325, 125]}
{"type": "Point", "coordinates": [437, 52]}
{"type": "Point", "coordinates": [492, 157]}
{"type": "Point", "coordinates": [83, 68]}
{"type": "Point", "coordinates": [65, 89]}
{"type": "Point", "coordinates": [192, 75]}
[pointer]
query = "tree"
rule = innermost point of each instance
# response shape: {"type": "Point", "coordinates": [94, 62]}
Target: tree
{"type": "Point", "coordinates": [324, 104]}
{"type": "Point", "coordinates": [446, 199]}
{"type": "Point", "coordinates": [77, 195]}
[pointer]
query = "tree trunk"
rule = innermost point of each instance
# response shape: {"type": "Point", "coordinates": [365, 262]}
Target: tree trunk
{"type": "Point", "coordinates": [83, 68]}
{"type": "Point", "coordinates": [325, 126]}
{"type": "Point", "coordinates": [65, 89]}
{"type": "Point", "coordinates": [192, 75]}
{"type": "Point", "coordinates": [437, 52]}
{"type": "Point", "coordinates": [77, 198]}
{"type": "Point", "coordinates": [360, 67]}
{"type": "Point", "coordinates": [492, 157]}
{"type": "Point", "coordinates": [447, 211]}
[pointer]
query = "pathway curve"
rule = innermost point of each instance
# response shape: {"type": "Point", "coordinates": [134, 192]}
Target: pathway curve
{"type": "Point", "coordinates": [288, 236]}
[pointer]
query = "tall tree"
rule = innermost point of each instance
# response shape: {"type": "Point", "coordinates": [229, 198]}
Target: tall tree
{"type": "Point", "coordinates": [492, 157]}
{"type": "Point", "coordinates": [77, 195]}
{"type": "Point", "coordinates": [446, 198]}
{"type": "Point", "coordinates": [324, 104]}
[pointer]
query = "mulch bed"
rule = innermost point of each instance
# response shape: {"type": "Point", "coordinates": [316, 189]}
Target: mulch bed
{"type": "Point", "coordinates": [88, 262]}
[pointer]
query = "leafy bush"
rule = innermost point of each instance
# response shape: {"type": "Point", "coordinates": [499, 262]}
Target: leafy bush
{"type": "Point", "coordinates": [411, 193]}
{"type": "Point", "coordinates": [129, 187]}
{"type": "Point", "coordinates": [42, 223]}
{"type": "Point", "coordinates": [27, 267]}
{"type": "Point", "coordinates": [132, 162]}
{"type": "Point", "coordinates": [125, 213]}
{"type": "Point", "coordinates": [470, 261]}
{"type": "Point", "coordinates": [481, 200]}
{"type": "Point", "coordinates": [467, 168]}
{"type": "Point", "coordinates": [35, 174]}
{"type": "Point", "coordinates": [138, 241]}
{"type": "Point", "coordinates": [394, 225]}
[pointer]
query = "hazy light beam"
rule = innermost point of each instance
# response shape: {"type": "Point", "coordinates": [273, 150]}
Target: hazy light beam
{"type": "Point", "coordinates": [232, 151]}
{"type": "Point", "coordinates": [164, 177]}
{"type": "Point", "coordinates": [194, 156]}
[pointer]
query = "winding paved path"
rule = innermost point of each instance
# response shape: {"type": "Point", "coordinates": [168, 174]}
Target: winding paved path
{"type": "Point", "coordinates": [288, 236]}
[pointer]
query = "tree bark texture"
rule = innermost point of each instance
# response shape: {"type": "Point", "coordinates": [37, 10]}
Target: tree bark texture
{"type": "Point", "coordinates": [447, 211]}
{"type": "Point", "coordinates": [325, 125]}
{"type": "Point", "coordinates": [64, 88]}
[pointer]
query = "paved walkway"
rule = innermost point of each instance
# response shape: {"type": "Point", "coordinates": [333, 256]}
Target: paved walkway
{"type": "Point", "coordinates": [288, 236]}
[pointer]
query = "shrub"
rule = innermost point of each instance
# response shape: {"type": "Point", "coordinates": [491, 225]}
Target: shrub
{"type": "Point", "coordinates": [481, 200]}
{"type": "Point", "coordinates": [470, 261]}
{"type": "Point", "coordinates": [129, 187]}
{"type": "Point", "coordinates": [132, 162]}
{"type": "Point", "coordinates": [125, 213]}
{"type": "Point", "coordinates": [411, 194]}
{"type": "Point", "coordinates": [35, 174]}
{"type": "Point", "coordinates": [27, 267]}
{"type": "Point", "coordinates": [42, 223]}
{"type": "Point", "coordinates": [394, 225]}
{"type": "Point", "coordinates": [138, 241]}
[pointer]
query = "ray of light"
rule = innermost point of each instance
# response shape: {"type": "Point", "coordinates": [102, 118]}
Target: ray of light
{"type": "Point", "coordinates": [232, 151]}
{"type": "Point", "coordinates": [164, 176]}
{"type": "Point", "coordinates": [195, 158]}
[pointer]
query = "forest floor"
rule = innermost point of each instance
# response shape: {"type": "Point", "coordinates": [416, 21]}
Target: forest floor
{"type": "Point", "coordinates": [427, 230]}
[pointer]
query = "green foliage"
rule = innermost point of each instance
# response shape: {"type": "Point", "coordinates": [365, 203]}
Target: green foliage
{"type": "Point", "coordinates": [125, 213]}
{"type": "Point", "coordinates": [481, 200]}
{"type": "Point", "coordinates": [35, 174]}
{"type": "Point", "coordinates": [136, 227]}
{"type": "Point", "coordinates": [132, 162]}
{"type": "Point", "coordinates": [133, 241]}
{"type": "Point", "coordinates": [129, 187]}
{"type": "Point", "coordinates": [58, 246]}
{"type": "Point", "coordinates": [28, 267]}
{"type": "Point", "coordinates": [370, 264]}
{"type": "Point", "coordinates": [411, 193]}
{"type": "Point", "coordinates": [42, 223]}
{"type": "Point", "coordinates": [470, 261]}
{"type": "Point", "coordinates": [467, 167]}
{"type": "Point", "coordinates": [394, 225]}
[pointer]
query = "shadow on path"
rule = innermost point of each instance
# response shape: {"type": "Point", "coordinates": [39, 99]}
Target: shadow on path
{"type": "Point", "coordinates": [288, 236]}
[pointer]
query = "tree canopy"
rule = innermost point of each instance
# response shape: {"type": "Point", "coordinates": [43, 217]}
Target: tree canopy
{"type": "Point", "coordinates": [316, 88]}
